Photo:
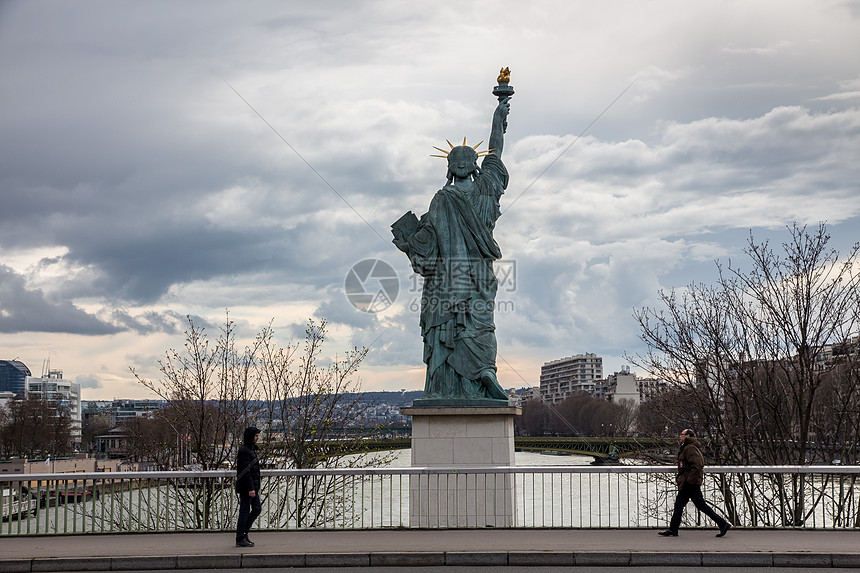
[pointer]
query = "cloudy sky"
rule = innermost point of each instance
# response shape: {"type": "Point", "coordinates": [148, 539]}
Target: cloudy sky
{"type": "Point", "coordinates": [164, 159]}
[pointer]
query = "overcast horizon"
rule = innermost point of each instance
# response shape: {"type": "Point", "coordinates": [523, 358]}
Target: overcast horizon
{"type": "Point", "coordinates": [163, 159]}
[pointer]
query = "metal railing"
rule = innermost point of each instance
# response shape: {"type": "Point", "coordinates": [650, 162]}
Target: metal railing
{"type": "Point", "coordinates": [567, 496]}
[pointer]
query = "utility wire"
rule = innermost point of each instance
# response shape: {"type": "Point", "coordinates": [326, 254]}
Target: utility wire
{"type": "Point", "coordinates": [551, 407]}
{"type": "Point", "coordinates": [329, 185]}
{"type": "Point", "coordinates": [299, 155]}
{"type": "Point", "coordinates": [578, 137]}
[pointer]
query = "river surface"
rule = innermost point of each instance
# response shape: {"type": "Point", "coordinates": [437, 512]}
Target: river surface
{"type": "Point", "coordinates": [402, 459]}
{"type": "Point", "coordinates": [555, 499]}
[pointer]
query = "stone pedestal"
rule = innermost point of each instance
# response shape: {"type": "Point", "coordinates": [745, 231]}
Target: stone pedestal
{"type": "Point", "coordinates": [458, 438]}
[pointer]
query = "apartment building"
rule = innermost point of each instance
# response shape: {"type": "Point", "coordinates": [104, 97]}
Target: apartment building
{"type": "Point", "coordinates": [65, 393]}
{"type": "Point", "coordinates": [561, 378]}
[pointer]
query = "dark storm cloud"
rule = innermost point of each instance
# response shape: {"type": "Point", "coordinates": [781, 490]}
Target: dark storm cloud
{"type": "Point", "coordinates": [23, 310]}
{"type": "Point", "coordinates": [89, 381]}
{"type": "Point", "coordinates": [148, 184]}
{"type": "Point", "coordinates": [337, 309]}
{"type": "Point", "coordinates": [149, 322]}
{"type": "Point", "coordinates": [120, 165]}
{"type": "Point", "coordinates": [142, 269]}
{"type": "Point", "coordinates": [134, 253]}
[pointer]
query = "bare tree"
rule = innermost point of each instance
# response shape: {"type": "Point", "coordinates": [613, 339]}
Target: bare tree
{"type": "Point", "coordinates": [308, 406]}
{"type": "Point", "coordinates": [667, 411]}
{"type": "Point", "coordinates": [580, 414]}
{"type": "Point", "coordinates": [210, 389]}
{"type": "Point", "coordinates": [535, 419]}
{"type": "Point", "coordinates": [625, 417]}
{"type": "Point", "coordinates": [318, 415]}
{"type": "Point", "coordinates": [154, 439]}
{"type": "Point", "coordinates": [32, 427]}
{"type": "Point", "coordinates": [92, 427]}
{"type": "Point", "coordinates": [767, 357]}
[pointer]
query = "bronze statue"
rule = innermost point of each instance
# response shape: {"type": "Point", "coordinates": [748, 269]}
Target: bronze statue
{"type": "Point", "coordinates": [453, 248]}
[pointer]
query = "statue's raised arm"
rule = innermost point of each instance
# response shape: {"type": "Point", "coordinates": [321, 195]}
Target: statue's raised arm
{"type": "Point", "coordinates": [497, 131]}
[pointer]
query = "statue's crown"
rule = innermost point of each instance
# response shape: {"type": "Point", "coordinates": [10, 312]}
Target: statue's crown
{"type": "Point", "coordinates": [475, 147]}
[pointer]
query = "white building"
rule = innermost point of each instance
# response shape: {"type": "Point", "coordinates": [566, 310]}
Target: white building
{"type": "Point", "coordinates": [650, 387]}
{"type": "Point", "coordinates": [622, 386]}
{"type": "Point", "coordinates": [5, 397]}
{"type": "Point", "coordinates": [67, 394]}
{"type": "Point", "coordinates": [561, 378]}
{"type": "Point", "coordinates": [625, 385]}
{"type": "Point", "coordinates": [124, 410]}
{"type": "Point", "coordinates": [518, 397]}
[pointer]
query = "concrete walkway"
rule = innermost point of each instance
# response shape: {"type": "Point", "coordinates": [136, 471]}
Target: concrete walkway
{"type": "Point", "coordinates": [536, 547]}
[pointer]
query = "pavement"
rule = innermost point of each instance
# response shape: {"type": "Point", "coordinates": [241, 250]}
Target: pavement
{"type": "Point", "coordinates": [441, 547]}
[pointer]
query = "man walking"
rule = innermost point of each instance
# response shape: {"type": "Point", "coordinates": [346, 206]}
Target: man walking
{"type": "Point", "coordinates": [689, 480]}
{"type": "Point", "coordinates": [248, 486]}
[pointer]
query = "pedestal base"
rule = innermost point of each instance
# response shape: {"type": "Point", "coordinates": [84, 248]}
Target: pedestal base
{"type": "Point", "coordinates": [459, 438]}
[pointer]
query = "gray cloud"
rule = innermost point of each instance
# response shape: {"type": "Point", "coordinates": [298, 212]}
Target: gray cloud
{"type": "Point", "coordinates": [23, 310]}
{"type": "Point", "coordinates": [158, 192]}
{"type": "Point", "coordinates": [149, 322]}
{"type": "Point", "coordinates": [89, 381]}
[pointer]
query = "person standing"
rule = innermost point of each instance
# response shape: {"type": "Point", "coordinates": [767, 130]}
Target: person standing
{"type": "Point", "coordinates": [247, 486]}
{"type": "Point", "coordinates": [690, 477]}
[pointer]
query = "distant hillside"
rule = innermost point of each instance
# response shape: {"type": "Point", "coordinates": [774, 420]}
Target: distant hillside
{"type": "Point", "coordinates": [392, 398]}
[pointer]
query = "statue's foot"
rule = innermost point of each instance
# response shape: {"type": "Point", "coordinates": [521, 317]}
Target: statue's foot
{"type": "Point", "coordinates": [491, 383]}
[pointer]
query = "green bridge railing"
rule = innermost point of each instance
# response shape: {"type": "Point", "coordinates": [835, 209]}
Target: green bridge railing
{"type": "Point", "coordinates": [604, 448]}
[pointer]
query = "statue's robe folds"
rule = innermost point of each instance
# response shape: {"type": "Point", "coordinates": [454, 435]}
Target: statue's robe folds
{"type": "Point", "coordinates": [453, 249]}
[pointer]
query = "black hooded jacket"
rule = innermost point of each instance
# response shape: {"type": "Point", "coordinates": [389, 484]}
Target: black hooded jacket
{"type": "Point", "coordinates": [247, 464]}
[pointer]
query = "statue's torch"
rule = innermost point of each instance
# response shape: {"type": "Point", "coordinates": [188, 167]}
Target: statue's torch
{"type": "Point", "coordinates": [504, 90]}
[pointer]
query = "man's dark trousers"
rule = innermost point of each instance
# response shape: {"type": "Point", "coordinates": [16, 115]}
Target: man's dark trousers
{"type": "Point", "coordinates": [692, 493]}
{"type": "Point", "coordinates": [249, 509]}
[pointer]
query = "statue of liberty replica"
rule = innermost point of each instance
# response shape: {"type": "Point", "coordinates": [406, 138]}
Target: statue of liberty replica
{"type": "Point", "coordinates": [453, 249]}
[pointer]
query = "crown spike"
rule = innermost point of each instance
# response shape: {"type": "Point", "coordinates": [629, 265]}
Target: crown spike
{"type": "Point", "coordinates": [474, 148]}
{"type": "Point", "coordinates": [464, 140]}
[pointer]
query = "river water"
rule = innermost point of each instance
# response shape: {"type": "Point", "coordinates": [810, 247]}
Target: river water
{"type": "Point", "coordinates": [616, 497]}
{"type": "Point", "coordinates": [402, 459]}
{"type": "Point", "coordinates": [561, 499]}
